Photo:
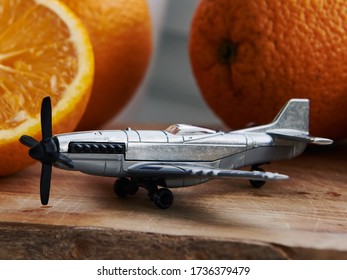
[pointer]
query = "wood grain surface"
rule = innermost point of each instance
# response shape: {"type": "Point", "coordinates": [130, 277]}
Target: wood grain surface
{"type": "Point", "coordinates": [304, 217]}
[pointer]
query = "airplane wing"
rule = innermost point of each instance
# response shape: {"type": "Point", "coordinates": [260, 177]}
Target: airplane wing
{"type": "Point", "coordinates": [297, 135]}
{"type": "Point", "coordinates": [189, 170]}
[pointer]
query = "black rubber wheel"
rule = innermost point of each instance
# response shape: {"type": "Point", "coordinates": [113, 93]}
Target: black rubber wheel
{"type": "Point", "coordinates": [257, 183]}
{"type": "Point", "coordinates": [133, 188]}
{"type": "Point", "coordinates": [163, 198]}
{"type": "Point", "coordinates": [121, 187]}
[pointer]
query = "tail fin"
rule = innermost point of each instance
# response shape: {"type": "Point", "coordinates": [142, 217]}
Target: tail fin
{"type": "Point", "coordinates": [294, 115]}
{"type": "Point", "coordinates": [292, 123]}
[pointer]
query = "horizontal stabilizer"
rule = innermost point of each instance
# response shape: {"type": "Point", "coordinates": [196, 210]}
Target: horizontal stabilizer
{"type": "Point", "coordinates": [296, 135]}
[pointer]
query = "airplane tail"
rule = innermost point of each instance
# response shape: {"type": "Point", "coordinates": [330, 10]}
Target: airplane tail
{"type": "Point", "coordinates": [294, 115]}
{"type": "Point", "coordinates": [292, 123]}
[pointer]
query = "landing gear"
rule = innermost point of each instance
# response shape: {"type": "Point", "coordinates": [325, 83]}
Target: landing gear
{"type": "Point", "coordinates": [162, 198]}
{"type": "Point", "coordinates": [123, 187]}
{"type": "Point", "coordinates": [257, 183]}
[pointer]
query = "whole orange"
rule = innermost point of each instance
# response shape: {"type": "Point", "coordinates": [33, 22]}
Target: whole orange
{"type": "Point", "coordinates": [250, 57]}
{"type": "Point", "coordinates": [120, 31]}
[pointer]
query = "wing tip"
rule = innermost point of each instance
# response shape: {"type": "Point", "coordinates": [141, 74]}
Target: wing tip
{"type": "Point", "coordinates": [275, 176]}
{"type": "Point", "coordinates": [321, 141]}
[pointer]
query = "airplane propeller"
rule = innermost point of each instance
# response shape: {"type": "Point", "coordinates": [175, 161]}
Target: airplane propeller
{"type": "Point", "coordinates": [45, 151]}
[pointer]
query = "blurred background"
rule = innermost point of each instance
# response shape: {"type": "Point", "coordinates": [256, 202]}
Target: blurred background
{"type": "Point", "coordinates": [169, 93]}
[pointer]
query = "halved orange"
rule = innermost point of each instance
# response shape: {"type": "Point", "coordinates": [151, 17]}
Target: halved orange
{"type": "Point", "coordinates": [44, 50]}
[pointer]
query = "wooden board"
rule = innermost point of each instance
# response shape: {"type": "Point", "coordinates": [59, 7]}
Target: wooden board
{"type": "Point", "coordinates": [304, 217]}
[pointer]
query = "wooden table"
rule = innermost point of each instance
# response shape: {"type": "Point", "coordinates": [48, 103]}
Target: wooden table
{"type": "Point", "coordinates": [304, 217]}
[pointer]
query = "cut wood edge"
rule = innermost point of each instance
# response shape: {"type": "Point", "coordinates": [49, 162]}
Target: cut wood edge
{"type": "Point", "coordinates": [37, 241]}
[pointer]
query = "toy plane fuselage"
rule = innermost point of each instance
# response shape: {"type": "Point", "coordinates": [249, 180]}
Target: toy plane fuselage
{"type": "Point", "coordinates": [141, 154]}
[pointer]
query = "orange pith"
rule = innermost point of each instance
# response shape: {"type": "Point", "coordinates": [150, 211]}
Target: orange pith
{"type": "Point", "coordinates": [249, 57]}
{"type": "Point", "coordinates": [44, 50]}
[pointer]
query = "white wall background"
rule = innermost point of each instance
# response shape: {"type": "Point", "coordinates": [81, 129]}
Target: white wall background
{"type": "Point", "coordinates": [169, 93]}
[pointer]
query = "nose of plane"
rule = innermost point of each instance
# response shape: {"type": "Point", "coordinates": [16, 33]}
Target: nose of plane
{"type": "Point", "coordinates": [46, 151]}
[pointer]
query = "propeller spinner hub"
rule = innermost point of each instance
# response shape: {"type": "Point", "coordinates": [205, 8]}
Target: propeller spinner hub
{"type": "Point", "coordinates": [50, 150]}
{"type": "Point", "coordinates": [46, 151]}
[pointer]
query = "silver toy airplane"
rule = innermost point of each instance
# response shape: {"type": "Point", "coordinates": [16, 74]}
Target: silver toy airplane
{"type": "Point", "coordinates": [179, 156]}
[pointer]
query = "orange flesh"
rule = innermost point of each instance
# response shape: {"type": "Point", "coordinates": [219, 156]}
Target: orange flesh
{"type": "Point", "coordinates": [31, 67]}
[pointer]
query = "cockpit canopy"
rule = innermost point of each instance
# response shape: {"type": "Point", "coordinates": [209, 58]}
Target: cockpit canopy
{"type": "Point", "coordinates": [185, 129]}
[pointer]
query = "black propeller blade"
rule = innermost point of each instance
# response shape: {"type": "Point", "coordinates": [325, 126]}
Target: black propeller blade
{"type": "Point", "coordinates": [28, 141]}
{"type": "Point", "coordinates": [64, 160]}
{"type": "Point", "coordinates": [45, 182]}
{"type": "Point", "coordinates": [46, 151]}
{"type": "Point", "coordinates": [46, 118]}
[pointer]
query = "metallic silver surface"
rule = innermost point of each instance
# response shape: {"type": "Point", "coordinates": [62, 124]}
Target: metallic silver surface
{"type": "Point", "coordinates": [294, 115]}
{"type": "Point", "coordinates": [180, 152]}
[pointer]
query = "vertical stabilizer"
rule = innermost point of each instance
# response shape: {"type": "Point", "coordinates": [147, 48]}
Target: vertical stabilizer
{"type": "Point", "coordinates": [294, 115]}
